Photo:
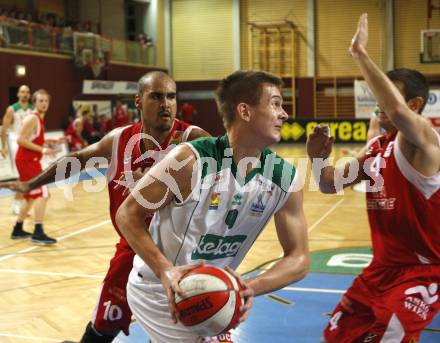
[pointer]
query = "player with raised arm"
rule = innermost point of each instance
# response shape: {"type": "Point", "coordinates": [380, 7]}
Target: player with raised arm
{"type": "Point", "coordinates": [397, 296]}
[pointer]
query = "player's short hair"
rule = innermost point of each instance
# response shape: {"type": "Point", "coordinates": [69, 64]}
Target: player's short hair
{"type": "Point", "coordinates": [242, 86]}
{"type": "Point", "coordinates": [39, 92]}
{"type": "Point", "coordinates": [414, 84]}
{"type": "Point", "coordinates": [145, 79]}
{"type": "Point", "coordinates": [22, 87]}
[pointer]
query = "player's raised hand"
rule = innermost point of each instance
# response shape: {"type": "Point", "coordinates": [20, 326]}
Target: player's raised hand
{"type": "Point", "coordinates": [360, 38]}
{"type": "Point", "coordinates": [319, 143]}
{"type": "Point", "coordinates": [170, 280]}
{"type": "Point", "coordinates": [16, 186]}
{"type": "Point", "coordinates": [246, 293]}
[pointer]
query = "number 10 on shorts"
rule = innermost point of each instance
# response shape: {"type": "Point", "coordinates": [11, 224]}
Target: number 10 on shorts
{"type": "Point", "coordinates": [112, 312]}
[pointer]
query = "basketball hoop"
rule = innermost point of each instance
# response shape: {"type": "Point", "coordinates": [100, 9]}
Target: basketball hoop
{"type": "Point", "coordinates": [430, 46]}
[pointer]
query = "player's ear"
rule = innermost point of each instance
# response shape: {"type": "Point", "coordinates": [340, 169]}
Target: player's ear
{"type": "Point", "coordinates": [138, 102]}
{"type": "Point", "coordinates": [243, 111]}
{"type": "Point", "coordinates": [415, 104]}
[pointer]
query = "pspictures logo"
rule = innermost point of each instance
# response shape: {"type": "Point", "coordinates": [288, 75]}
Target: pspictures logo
{"type": "Point", "coordinates": [212, 247]}
{"type": "Point", "coordinates": [215, 201]}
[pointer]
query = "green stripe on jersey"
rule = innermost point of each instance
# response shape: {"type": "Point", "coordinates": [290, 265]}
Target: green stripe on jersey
{"type": "Point", "coordinates": [272, 167]}
{"type": "Point", "coordinates": [16, 107]}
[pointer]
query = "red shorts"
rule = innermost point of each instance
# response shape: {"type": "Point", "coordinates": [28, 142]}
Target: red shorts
{"type": "Point", "coordinates": [27, 170]}
{"type": "Point", "coordinates": [112, 313]}
{"type": "Point", "coordinates": [390, 305]}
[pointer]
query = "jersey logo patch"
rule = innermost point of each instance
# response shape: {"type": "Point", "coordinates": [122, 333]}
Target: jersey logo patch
{"type": "Point", "coordinates": [212, 247]}
{"type": "Point", "coordinates": [236, 200]}
{"type": "Point", "coordinates": [215, 201]}
{"type": "Point", "coordinates": [257, 207]}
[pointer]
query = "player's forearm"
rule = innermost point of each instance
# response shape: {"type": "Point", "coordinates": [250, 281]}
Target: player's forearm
{"type": "Point", "coordinates": [133, 227]}
{"type": "Point", "coordinates": [29, 145]}
{"type": "Point", "coordinates": [49, 175]}
{"type": "Point", "coordinates": [4, 137]}
{"type": "Point", "coordinates": [288, 270]}
{"type": "Point", "coordinates": [385, 92]}
{"type": "Point", "coordinates": [325, 176]}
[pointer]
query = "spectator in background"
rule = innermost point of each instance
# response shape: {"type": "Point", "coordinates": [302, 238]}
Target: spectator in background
{"type": "Point", "coordinates": [120, 115]}
{"type": "Point", "coordinates": [74, 135]}
{"type": "Point", "coordinates": [89, 133]}
{"type": "Point", "coordinates": [145, 39]}
{"type": "Point", "coordinates": [103, 125]}
{"type": "Point", "coordinates": [4, 36]}
{"type": "Point", "coordinates": [187, 112]}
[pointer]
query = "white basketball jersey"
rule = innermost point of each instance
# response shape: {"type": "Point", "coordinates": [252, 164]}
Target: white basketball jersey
{"type": "Point", "coordinates": [221, 220]}
{"type": "Point", "coordinates": [19, 113]}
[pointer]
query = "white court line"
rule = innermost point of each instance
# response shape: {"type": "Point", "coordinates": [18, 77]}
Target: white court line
{"type": "Point", "coordinates": [33, 338]}
{"type": "Point", "coordinates": [88, 228]}
{"type": "Point", "coordinates": [312, 227]}
{"type": "Point", "coordinates": [315, 224]}
{"type": "Point", "coordinates": [317, 290]}
{"type": "Point", "coordinates": [22, 271]}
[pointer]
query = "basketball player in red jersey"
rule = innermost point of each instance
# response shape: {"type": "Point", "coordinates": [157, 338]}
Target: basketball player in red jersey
{"type": "Point", "coordinates": [394, 298]}
{"type": "Point", "coordinates": [30, 151]}
{"type": "Point", "coordinates": [127, 149]}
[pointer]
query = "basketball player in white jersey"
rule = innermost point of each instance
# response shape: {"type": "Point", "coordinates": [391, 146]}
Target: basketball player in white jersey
{"type": "Point", "coordinates": [219, 216]}
{"type": "Point", "coordinates": [12, 122]}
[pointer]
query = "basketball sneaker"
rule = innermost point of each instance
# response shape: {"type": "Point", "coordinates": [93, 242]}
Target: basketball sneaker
{"type": "Point", "coordinates": [20, 234]}
{"type": "Point", "coordinates": [42, 238]}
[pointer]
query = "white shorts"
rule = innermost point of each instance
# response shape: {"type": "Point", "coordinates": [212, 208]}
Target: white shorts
{"type": "Point", "coordinates": [149, 304]}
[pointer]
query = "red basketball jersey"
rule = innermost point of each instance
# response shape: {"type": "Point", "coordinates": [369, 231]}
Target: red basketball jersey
{"type": "Point", "coordinates": [127, 155]}
{"type": "Point", "coordinates": [25, 154]}
{"type": "Point", "coordinates": [404, 214]}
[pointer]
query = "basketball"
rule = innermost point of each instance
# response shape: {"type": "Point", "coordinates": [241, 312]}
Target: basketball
{"type": "Point", "coordinates": [211, 303]}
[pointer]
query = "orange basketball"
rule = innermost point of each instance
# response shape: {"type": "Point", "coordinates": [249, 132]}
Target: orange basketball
{"type": "Point", "coordinates": [211, 303]}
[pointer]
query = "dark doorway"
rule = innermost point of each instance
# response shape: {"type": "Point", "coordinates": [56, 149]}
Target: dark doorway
{"type": "Point", "coordinates": [13, 94]}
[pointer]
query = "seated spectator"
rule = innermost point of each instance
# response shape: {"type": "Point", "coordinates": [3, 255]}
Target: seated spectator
{"type": "Point", "coordinates": [89, 133]}
{"type": "Point", "coordinates": [120, 115]}
{"type": "Point", "coordinates": [103, 125]}
{"type": "Point", "coordinates": [74, 135]}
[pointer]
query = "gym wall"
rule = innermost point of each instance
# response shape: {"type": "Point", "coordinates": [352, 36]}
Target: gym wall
{"type": "Point", "coordinates": [336, 21]}
{"type": "Point", "coordinates": [263, 10]}
{"type": "Point", "coordinates": [410, 17]}
{"type": "Point", "coordinates": [201, 39]}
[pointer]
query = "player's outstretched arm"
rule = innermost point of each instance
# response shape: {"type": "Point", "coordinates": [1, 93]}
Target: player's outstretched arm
{"type": "Point", "coordinates": [291, 229]}
{"type": "Point", "coordinates": [415, 129]}
{"type": "Point", "coordinates": [331, 180]}
{"type": "Point", "coordinates": [103, 148]}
